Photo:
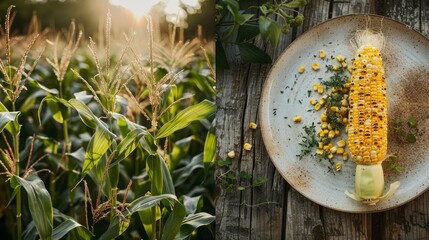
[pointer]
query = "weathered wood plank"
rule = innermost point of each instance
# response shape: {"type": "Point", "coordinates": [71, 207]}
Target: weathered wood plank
{"type": "Point", "coordinates": [424, 18]}
{"type": "Point", "coordinates": [405, 11]}
{"type": "Point", "coordinates": [352, 6]}
{"type": "Point", "coordinates": [303, 218]}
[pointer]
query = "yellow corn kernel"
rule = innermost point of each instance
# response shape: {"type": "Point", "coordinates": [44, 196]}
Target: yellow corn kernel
{"type": "Point", "coordinates": [315, 66]}
{"type": "Point", "coordinates": [301, 69]}
{"type": "Point", "coordinates": [345, 120]}
{"type": "Point", "coordinates": [324, 125]}
{"type": "Point", "coordinates": [337, 132]}
{"type": "Point", "coordinates": [325, 131]}
{"type": "Point", "coordinates": [320, 145]}
{"type": "Point", "coordinates": [345, 156]}
{"type": "Point", "coordinates": [315, 86]}
{"type": "Point", "coordinates": [253, 125]}
{"type": "Point", "coordinates": [231, 154]}
{"type": "Point", "coordinates": [323, 117]}
{"type": "Point", "coordinates": [312, 101]}
{"type": "Point", "coordinates": [338, 166]}
{"type": "Point", "coordinates": [326, 147]}
{"type": "Point", "coordinates": [247, 146]}
{"type": "Point", "coordinates": [319, 151]}
{"type": "Point", "coordinates": [322, 101]}
{"type": "Point", "coordinates": [335, 67]}
{"type": "Point", "coordinates": [340, 150]}
{"type": "Point", "coordinates": [322, 54]}
{"type": "Point", "coordinates": [341, 143]}
{"type": "Point", "coordinates": [340, 58]}
{"type": "Point", "coordinates": [344, 64]}
{"type": "Point", "coordinates": [297, 119]}
{"type": "Point", "coordinates": [333, 149]}
{"type": "Point", "coordinates": [334, 109]}
{"type": "Point", "coordinates": [331, 134]}
{"type": "Point", "coordinates": [344, 102]}
{"type": "Point", "coordinates": [317, 106]}
{"type": "Point", "coordinates": [330, 156]}
{"type": "Point", "coordinates": [320, 89]}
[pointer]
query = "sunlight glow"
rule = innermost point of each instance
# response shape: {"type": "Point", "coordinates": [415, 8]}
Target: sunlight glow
{"type": "Point", "coordinates": [139, 8]}
{"type": "Point", "coordinates": [176, 11]}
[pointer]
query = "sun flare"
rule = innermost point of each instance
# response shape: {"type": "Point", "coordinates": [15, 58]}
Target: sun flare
{"type": "Point", "coordinates": [139, 8]}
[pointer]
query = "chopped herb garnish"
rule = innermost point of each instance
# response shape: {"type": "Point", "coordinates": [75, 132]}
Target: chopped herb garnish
{"type": "Point", "coordinates": [308, 141]}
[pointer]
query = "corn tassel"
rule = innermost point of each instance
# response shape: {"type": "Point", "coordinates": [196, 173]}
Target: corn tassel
{"type": "Point", "coordinates": [367, 129]}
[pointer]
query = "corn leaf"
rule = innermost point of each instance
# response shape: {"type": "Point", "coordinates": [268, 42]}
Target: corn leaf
{"type": "Point", "coordinates": [154, 170]}
{"type": "Point", "coordinates": [59, 108]}
{"type": "Point", "coordinates": [6, 118]}
{"type": "Point", "coordinates": [97, 147]}
{"type": "Point", "coordinates": [116, 227]}
{"type": "Point", "coordinates": [39, 203]}
{"type": "Point", "coordinates": [185, 117]}
{"type": "Point", "coordinates": [174, 222]}
{"type": "Point", "coordinates": [182, 174]}
{"type": "Point", "coordinates": [167, 181]}
{"type": "Point", "coordinates": [209, 149]}
{"type": "Point", "coordinates": [180, 149]}
{"type": "Point", "coordinates": [68, 225]}
{"type": "Point", "coordinates": [128, 145]}
{"type": "Point", "coordinates": [192, 222]}
{"type": "Point", "coordinates": [88, 117]}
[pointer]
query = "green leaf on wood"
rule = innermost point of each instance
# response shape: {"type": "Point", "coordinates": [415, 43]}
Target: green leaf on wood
{"type": "Point", "coordinates": [252, 54]}
{"type": "Point", "coordinates": [270, 30]}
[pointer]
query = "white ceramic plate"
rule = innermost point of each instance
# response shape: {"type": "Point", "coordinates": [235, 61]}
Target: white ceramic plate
{"type": "Point", "coordinates": [285, 94]}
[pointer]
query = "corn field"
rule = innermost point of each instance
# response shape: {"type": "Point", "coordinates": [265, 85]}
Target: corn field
{"type": "Point", "coordinates": [101, 140]}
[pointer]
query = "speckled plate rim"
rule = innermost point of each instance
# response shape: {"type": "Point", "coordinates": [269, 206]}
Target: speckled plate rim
{"type": "Point", "coordinates": [264, 111]}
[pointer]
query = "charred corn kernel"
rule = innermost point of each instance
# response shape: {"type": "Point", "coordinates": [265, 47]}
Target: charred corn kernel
{"type": "Point", "coordinates": [333, 149]}
{"type": "Point", "coordinates": [345, 156]}
{"type": "Point", "coordinates": [315, 86]}
{"type": "Point", "coordinates": [338, 166]}
{"type": "Point", "coordinates": [340, 150]}
{"type": "Point", "coordinates": [253, 125]}
{"type": "Point", "coordinates": [320, 89]}
{"type": "Point", "coordinates": [341, 143]}
{"type": "Point", "coordinates": [315, 66]}
{"type": "Point", "coordinates": [231, 154]}
{"type": "Point", "coordinates": [317, 106]}
{"type": "Point", "coordinates": [312, 101]}
{"type": "Point", "coordinates": [331, 134]}
{"type": "Point", "coordinates": [322, 54]}
{"type": "Point", "coordinates": [247, 146]}
{"type": "Point", "coordinates": [340, 58]}
{"type": "Point", "coordinates": [319, 151]}
{"type": "Point", "coordinates": [297, 119]}
{"type": "Point", "coordinates": [335, 67]}
{"type": "Point", "coordinates": [301, 69]}
{"type": "Point", "coordinates": [345, 120]}
{"type": "Point", "coordinates": [330, 156]}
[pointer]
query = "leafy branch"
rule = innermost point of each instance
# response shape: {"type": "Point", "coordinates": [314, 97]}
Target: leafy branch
{"type": "Point", "coordinates": [241, 26]}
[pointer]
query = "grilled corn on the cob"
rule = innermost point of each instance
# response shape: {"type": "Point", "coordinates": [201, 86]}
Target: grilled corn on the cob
{"type": "Point", "coordinates": [367, 129]}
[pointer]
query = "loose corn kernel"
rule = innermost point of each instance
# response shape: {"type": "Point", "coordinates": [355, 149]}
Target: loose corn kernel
{"type": "Point", "coordinates": [315, 66]}
{"type": "Point", "coordinates": [331, 134]}
{"type": "Point", "coordinates": [330, 156]}
{"type": "Point", "coordinates": [297, 119]}
{"type": "Point", "coordinates": [325, 131]}
{"type": "Point", "coordinates": [320, 89]}
{"type": "Point", "coordinates": [312, 101]}
{"type": "Point", "coordinates": [333, 149]}
{"type": "Point", "coordinates": [231, 154]}
{"type": "Point", "coordinates": [341, 143]}
{"type": "Point", "coordinates": [319, 151]}
{"type": "Point", "coordinates": [345, 120]}
{"type": "Point", "coordinates": [315, 86]}
{"type": "Point", "coordinates": [344, 64]}
{"type": "Point", "coordinates": [247, 146]}
{"type": "Point", "coordinates": [340, 150]}
{"type": "Point", "coordinates": [320, 144]}
{"type": "Point", "coordinates": [317, 106]}
{"type": "Point", "coordinates": [322, 54]}
{"type": "Point", "coordinates": [323, 117]}
{"type": "Point", "coordinates": [301, 69]}
{"type": "Point", "coordinates": [337, 132]}
{"type": "Point", "coordinates": [338, 166]}
{"type": "Point", "coordinates": [322, 101]}
{"type": "Point", "coordinates": [345, 156]}
{"type": "Point", "coordinates": [335, 67]}
{"type": "Point", "coordinates": [344, 102]}
{"type": "Point", "coordinates": [324, 125]}
{"type": "Point", "coordinates": [340, 58]}
{"type": "Point", "coordinates": [253, 125]}
{"type": "Point", "coordinates": [334, 109]}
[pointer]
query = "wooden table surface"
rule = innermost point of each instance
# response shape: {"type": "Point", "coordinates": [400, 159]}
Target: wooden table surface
{"type": "Point", "coordinates": [286, 214]}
